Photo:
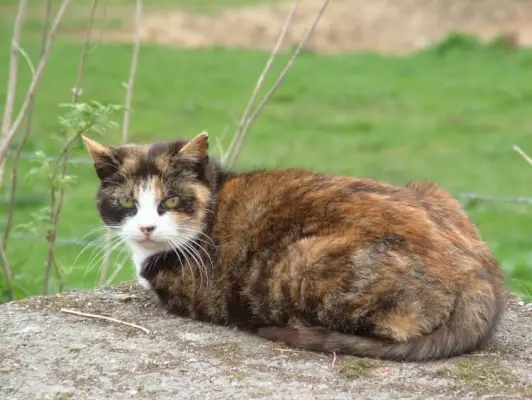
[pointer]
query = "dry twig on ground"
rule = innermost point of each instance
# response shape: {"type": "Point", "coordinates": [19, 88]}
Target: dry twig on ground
{"type": "Point", "coordinates": [105, 318]}
{"type": "Point", "coordinates": [247, 122]}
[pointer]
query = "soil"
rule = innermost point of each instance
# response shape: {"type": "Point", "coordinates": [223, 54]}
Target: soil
{"type": "Point", "coordinates": [48, 354]}
{"type": "Point", "coordinates": [386, 26]}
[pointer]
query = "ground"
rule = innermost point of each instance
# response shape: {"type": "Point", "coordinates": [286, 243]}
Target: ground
{"type": "Point", "coordinates": [47, 354]}
{"type": "Point", "coordinates": [385, 26]}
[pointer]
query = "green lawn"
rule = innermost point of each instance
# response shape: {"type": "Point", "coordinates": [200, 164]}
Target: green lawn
{"type": "Point", "coordinates": [449, 116]}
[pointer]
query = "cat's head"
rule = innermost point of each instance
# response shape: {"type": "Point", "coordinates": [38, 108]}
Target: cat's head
{"type": "Point", "coordinates": [156, 197]}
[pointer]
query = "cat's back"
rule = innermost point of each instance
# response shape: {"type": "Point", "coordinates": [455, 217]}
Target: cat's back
{"type": "Point", "coordinates": [297, 197]}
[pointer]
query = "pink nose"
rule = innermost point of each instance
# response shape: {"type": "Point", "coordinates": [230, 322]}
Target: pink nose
{"type": "Point", "coordinates": [147, 229]}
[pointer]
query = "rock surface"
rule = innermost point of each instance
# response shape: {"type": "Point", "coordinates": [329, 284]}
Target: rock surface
{"type": "Point", "coordinates": [49, 354]}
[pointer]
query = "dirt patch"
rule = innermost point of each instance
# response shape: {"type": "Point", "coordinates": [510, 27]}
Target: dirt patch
{"type": "Point", "coordinates": [48, 354]}
{"type": "Point", "coordinates": [388, 26]}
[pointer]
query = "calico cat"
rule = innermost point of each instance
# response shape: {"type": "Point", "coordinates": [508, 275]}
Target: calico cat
{"type": "Point", "coordinates": [317, 261]}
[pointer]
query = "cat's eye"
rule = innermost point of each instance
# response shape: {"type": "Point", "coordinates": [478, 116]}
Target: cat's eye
{"type": "Point", "coordinates": [171, 202]}
{"type": "Point", "coordinates": [126, 202]}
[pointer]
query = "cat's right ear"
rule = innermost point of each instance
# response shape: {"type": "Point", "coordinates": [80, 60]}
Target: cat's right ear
{"type": "Point", "coordinates": [105, 162]}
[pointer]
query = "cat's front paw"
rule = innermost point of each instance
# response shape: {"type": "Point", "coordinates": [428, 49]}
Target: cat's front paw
{"type": "Point", "coordinates": [143, 282]}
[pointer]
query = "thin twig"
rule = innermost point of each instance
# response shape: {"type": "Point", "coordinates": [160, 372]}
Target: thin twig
{"type": "Point", "coordinates": [75, 97]}
{"type": "Point", "coordinates": [127, 116]}
{"type": "Point", "coordinates": [27, 131]}
{"type": "Point", "coordinates": [103, 317]}
{"type": "Point", "coordinates": [523, 154]}
{"type": "Point", "coordinates": [260, 81]}
{"type": "Point", "coordinates": [333, 364]}
{"type": "Point", "coordinates": [56, 204]}
{"type": "Point", "coordinates": [28, 61]}
{"type": "Point", "coordinates": [132, 72]}
{"type": "Point", "coordinates": [105, 262]}
{"type": "Point", "coordinates": [116, 271]}
{"type": "Point", "coordinates": [245, 130]}
{"type": "Point", "coordinates": [56, 199]}
{"type": "Point", "coordinates": [287, 350]}
{"type": "Point", "coordinates": [83, 58]}
{"type": "Point", "coordinates": [6, 268]}
{"type": "Point", "coordinates": [12, 77]}
{"type": "Point", "coordinates": [4, 146]}
{"type": "Point", "coordinates": [58, 274]}
{"type": "Point", "coordinates": [50, 238]}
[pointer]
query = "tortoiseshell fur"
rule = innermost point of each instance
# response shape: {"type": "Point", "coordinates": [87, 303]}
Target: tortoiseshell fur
{"type": "Point", "coordinates": [320, 262]}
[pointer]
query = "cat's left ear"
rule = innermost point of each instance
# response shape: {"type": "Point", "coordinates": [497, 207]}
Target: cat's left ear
{"type": "Point", "coordinates": [102, 156]}
{"type": "Point", "coordinates": [197, 149]}
{"type": "Point", "coordinates": [96, 150]}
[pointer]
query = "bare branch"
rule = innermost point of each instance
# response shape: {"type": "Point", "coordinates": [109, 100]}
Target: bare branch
{"type": "Point", "coordinates": [28, 61]}
{"type": "Point", "coordinates": [523, 154]}
{"type": "Point", "coordinates": [56, 199]}
{"type": "Point", "coordinates": [13, 76]}
{"type": "Point", "coordinates": [6, 268]}
{"type": "Point", "coordinates": [27, 130]}
{"type": "Point", "coordinates": [8, 138]}
{"type": "Point", "coordinates": [105, 318]}
{"type": "Point", "coordinates": [105, 263]}
{"type": "Point", "coordinates": [83, 58]}
{"type": "Point", "coordinates": [132, 72]}
{"type": "Point", "coordinates": [127, 116]}
{"type": "Point", "coordinates": [245, 130]}
{"type": "Point", "coordinates": [117, 270]}
{"type": "Point", "coordinates": [260, 81]}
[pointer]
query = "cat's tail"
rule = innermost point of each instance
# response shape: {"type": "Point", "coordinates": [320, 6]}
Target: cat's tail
{"type": "Point", "coordinates": [475, 318]}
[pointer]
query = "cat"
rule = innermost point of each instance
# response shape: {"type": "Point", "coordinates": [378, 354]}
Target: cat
{"type": "Point", "coordinates": [320, 262]}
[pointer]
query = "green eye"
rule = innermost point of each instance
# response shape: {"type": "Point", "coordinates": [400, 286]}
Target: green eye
{"type": "Point", "coordinates": [171, 202]}
{"type": "Point", "coordinates": [126, 203]}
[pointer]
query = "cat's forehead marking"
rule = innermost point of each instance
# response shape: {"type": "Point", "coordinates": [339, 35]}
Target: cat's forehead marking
{"type": "Point", "coordinates": [158, 187]}
{"type": "Point", "coordinates": [152, 186]}
{"type": "Point", "coordinates": [133, 158]}
{"type": "Point", "coordinates": [163, 162]}
{"type": "Point", "coordinates": [130, 164]}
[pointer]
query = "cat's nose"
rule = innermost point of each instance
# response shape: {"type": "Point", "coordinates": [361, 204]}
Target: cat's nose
{"type": "Point", "coordinates": [147, 229]}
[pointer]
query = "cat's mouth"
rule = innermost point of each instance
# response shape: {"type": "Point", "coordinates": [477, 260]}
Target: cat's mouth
{"type": "Point", "coordinates": [149, 244]}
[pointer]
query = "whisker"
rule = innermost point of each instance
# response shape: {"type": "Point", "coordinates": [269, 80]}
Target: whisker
{"type": "Point", "coordinates": [108, 253]}
{"type": "Point", "coordinates": [178, 245]}
{"type": "Point", "coordinates": [176, 251]}
{"type": "Point", "coordinates": [92, 243]}
{"type": "Point", "coordinates": [115, 242]}
{"type": "Point", "coordinates": [96, 247]}
{"type": "Point", "coordinates": [199, 233]}
{"type": "Point", "coordinates": [199, 260]}
{"type": "Point", "coordinates": [116, 262]}
{"type": "Point", "coordinates": [91, 264]}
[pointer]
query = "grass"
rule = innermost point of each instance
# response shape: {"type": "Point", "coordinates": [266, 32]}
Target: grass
{"type": "Point", "coordinates": [445, 114]}
{"type": "Point", "coordinates": [484, 375]}
{"type": "Point", "coordinates": [355, 368]}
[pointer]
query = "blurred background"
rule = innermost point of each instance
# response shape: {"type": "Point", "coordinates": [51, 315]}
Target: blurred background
{"type": "Point", "coordinates": [392, 90]}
